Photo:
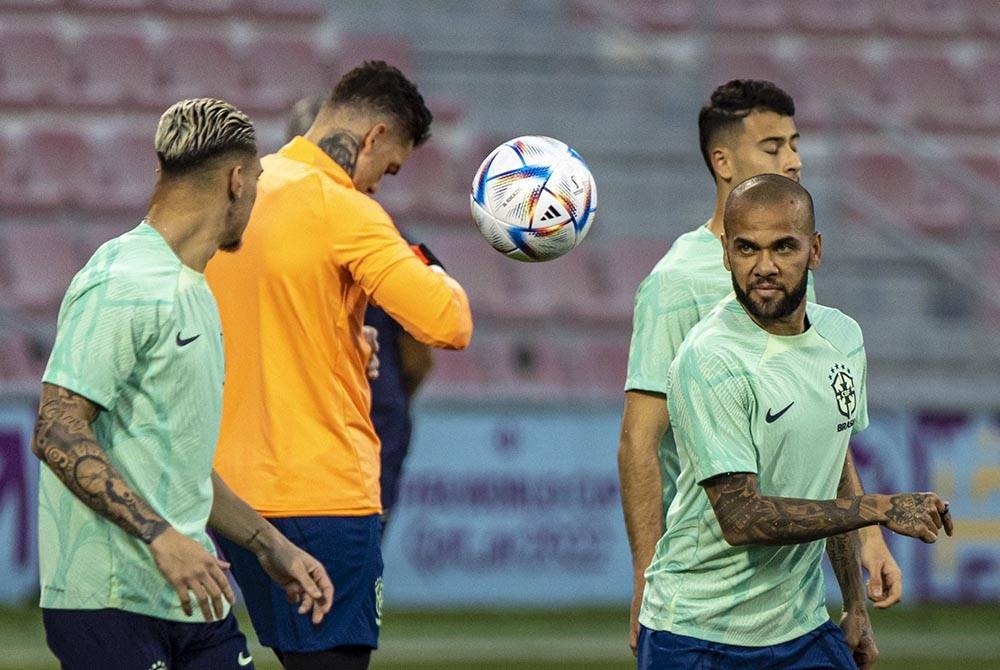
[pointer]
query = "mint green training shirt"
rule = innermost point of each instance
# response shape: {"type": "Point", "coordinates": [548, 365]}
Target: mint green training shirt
{"type": "Point", "coordinates": [139, 335]}
{"type": "Point", "coordinates": [784, 408]}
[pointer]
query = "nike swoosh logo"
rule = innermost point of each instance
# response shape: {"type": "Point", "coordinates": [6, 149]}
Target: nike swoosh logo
{"type": "Point", "coordinates": [771, 418]}
{"type": "Point", "coordinates": [183, 341]}
{"type": "Point", "coordinates": [243, 660]}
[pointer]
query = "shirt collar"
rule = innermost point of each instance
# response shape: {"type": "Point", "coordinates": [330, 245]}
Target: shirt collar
{"type": "Point", "coordinates": [302, 150]}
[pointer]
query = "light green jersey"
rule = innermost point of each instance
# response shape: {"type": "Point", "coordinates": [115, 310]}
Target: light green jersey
{"type": "Point", "coordinates": [680, 291]}
{"type": "Point", "coordinates": [784, 408]}
{"type": "Point", "coordinates": [139, 335]}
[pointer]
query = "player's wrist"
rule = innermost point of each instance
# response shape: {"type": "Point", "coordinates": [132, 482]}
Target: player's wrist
{"type": "Point", "coordinates": [262, 539]}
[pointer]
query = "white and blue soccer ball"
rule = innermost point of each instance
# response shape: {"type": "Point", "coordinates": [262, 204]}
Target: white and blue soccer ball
{"type": "Point", "coordinates": [533, 198]}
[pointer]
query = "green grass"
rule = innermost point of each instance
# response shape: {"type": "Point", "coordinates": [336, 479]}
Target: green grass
{"type": "Point", "coordinates": [929, 637]}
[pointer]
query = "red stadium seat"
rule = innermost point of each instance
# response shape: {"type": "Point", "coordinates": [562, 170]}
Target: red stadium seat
{"type": "Point", "coordinates": [984, 17]}
{"type": "Point", "coordinates": [21, 357]}
{"type": "Point", "coordinates": [985, 71]}
{"type": "Point", "coordinates": [924, 17]}
{"type": "Point", "coordinates": [931, 92]}
{"type": "Point", "coordinates": [744, 15]}
{"type": "Point", "coordinates": [128, 171]}
{"type": "Point", "coordinates": [40, 261]}
{"type": "Point", "coordinates": [559, 288]}
{"type": "Point", "coordinates": [194, 67]}
{"type": "Point", "coordinates": [831, 87]}
{"type": "Point", "coordinates": [109, 5]}
{"type": "Point", "coordinates": [599, 365]}
{"type": "Point", "coordinates": [11, 174]}
{"type": "Point", "coordinates": [304, 10]}
{"type": "Point", "coordinates": [621, 265]}
{"type": "Point", "coordinates": [116, 70]}
{"type": "Point", "coordinates": [655, 16]}
{"type": "Point", "coordinates": [834, 17]}
{"type": "Point", "coordinates": [921, 200]}
{"type": "Point", "coordinates": [356, 48]}
{"type": "Point", "coordinates": [33, 68]}
{"type": "Point", "coordinates": [205, 8]}
{"type": "Point", "coordinates": [432, 185]}
{"type": "Point", "coordinates": [985, 169]}
{"type": "Point", "coordinates": [485, 275]}
{"type": "Point", "coordinates": [60, 169]}
{"type": "Point", "coordinates": [280, 71]}
{"type": "Point", "coordinates": [735, 63]}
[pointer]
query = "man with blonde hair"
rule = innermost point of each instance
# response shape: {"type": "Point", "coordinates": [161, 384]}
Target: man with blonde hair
{"type": "Point", "coordinates": [128, 423]}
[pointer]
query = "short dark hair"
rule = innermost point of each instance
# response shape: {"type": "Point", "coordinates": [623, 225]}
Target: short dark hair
{"type": "Point", "coordinates": [733, 101]}
{"type": "Point", "coordinates": [382, 87]}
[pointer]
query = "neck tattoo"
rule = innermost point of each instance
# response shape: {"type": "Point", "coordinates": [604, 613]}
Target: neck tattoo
{"type": "Point", "coordinates": [343, 147]}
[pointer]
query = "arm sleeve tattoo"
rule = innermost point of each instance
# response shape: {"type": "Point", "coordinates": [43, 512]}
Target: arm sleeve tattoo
{"type": "Point", "coordinates": [65, 442]}
{"type": "Point", "coordinates": [844, 549]}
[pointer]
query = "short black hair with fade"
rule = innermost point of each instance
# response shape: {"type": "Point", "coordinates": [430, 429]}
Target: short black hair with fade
{"type": "Point", "coordinates": [732, 102]}
{"type": "Point", "coordinates": [382, 87]}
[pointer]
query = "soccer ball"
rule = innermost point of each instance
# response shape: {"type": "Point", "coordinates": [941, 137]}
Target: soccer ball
{"type": "Point", "coordinates": [533, 198]}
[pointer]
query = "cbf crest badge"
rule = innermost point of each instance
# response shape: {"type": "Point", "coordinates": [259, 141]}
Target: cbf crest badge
{"type": "Point", "coordinates": [842, 383]}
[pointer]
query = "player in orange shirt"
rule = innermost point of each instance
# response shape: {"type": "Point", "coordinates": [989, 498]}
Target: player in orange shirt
{"type": "Point", "coordinates": [297, 441]}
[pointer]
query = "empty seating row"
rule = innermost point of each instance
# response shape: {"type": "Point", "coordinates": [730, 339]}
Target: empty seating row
{"type": "Point", "coordinates": [305, 10]}
{"type": "Point", "coordinates": [118, 69]}
{"type": "Point", "coordinates": [909, 18]}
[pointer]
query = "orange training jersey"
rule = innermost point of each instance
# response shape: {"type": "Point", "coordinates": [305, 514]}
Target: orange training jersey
{"type": "Point", "coordinates": [296, 437]}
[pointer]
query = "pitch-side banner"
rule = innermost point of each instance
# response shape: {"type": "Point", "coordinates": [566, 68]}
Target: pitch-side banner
{"type": "Point", "coordinates": [521, 507]}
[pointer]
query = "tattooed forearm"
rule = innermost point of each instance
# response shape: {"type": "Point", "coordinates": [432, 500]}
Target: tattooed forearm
{"type": "Point", "coordinates": [747, 517]}
{"type": "Point", "coordinates": [845, 559]}
{"type": "Point", "coordinates": [64, 441]}
{"type": "Point", "coordinates": [343, 147]}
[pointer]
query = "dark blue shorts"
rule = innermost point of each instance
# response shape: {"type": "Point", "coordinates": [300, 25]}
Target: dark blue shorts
{"type": "Point", "coordinates": [109, 638]}
{"type": "Point", "coordinates": [350, 549]}
{"type": "Point", "coordinates": [823, 648]}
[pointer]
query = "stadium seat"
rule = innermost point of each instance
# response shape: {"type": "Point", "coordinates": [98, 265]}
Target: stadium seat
{"type": "Point", "coordinates": [655, 16]}
{"type": "Point", "coordinates": [599, 365]}
{"type": "Point", "coordinates": [60, 169]}
{"type": "Point", "coordinates": [281, 71]}
{"type": "Point", "coordinates": [984, 71]}
{"type": "Point", "coordinates": [108, 5]}
{"type": "Point", "coordinates": [744, 15]}
{"type": "Point", "coordinates": [433, 185]}
{"type": "Point", "coordinates": [354, 48]}
{"type": "Point", "coordinates": [11, 174]}
{"type": "Point", "coordinates": [834, 90]}
{"type": "Point", "coordinates": [40, 261]}
{"type": "Point", "coordinates": [834, 17]}
{"type": "Point", "coordinates": [922, 201]}
{"type": "Point", "coordinates": [22, 358]}
{"type": "Point", "coordinates": [984, 17]}
{"type": "Point", "coordinates": [485, 275]}
{"type": "Point", "coordinates": [621, 263]}
{"type": "Point", "coordinates": [206, 8]}
{"type": "Point", "coordinates": [193, 66]}
{"type": "Point", "coordinates": [301, 10]}
{"type": "Point", "coordinates": [924, 17]}
{"type": "Point", "coordinates": [735, 63]}
{"type": "Point", "coordinates": [985, 168]}
{"type": "Point", "coordinates": [524, 363]}
{"type": "Point", "coordinates": [34, 69]}
{"type": "Point", "coordinates": [931, 92]}
{"type": "Point", "coordinates": [127, 170]}
{"type": "Point", "coordinates": [116, 70]}
{"type": "Point", "coordinates": [564, 287]}
{"type": "Point", "coordinates": [92, 234]}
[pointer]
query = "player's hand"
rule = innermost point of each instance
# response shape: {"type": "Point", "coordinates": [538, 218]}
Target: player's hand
{"type": "Point", "coordinates": [189, 568]}
{"type": "Point", "coordinates": [638, 584]}
{"type": "Point", "coordinates": [370, 334]}
{"type": "Point", "coordinates": [885, 579]}
{"type": "Point", "coordinates": [303, 577]}
{"type": "Point", "coordinates": [919, 515]}
{"type": "Point", "coordinates": [858, 630]}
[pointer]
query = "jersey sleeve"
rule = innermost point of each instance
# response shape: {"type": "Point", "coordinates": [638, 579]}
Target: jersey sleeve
{"type": "Point", "coordinates": [710, 407]}
{"type": "Point", "coordinates": [665, 311]}
{"type": "Point", "coordinates": [429, 304]}
{"type": "Point", "coordinates": [102, 328]}
{"type": "Point", "coordinates": [861, 419]}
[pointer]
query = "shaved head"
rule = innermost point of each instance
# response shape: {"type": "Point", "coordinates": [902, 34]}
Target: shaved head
{"type": "Point", "coordinates": [769, 190]}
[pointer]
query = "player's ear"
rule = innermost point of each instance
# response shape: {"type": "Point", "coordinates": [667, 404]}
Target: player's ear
{"type": "Point", "coordinates": [815, 251]}
{"type": "Point", "coordinates": [236, 184]}
{"type": "Point", "coordinates": [721, 163]}
{"type": "Point", "coordinates": [725, 252]}
{"type": "Point", "coordinates": [375, 134]}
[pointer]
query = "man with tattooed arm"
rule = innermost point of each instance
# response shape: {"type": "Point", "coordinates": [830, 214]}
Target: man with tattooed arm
{"type": "Point", "coordinates": [764, 395]}
{"type": "Point", "coordinates": [129, 416]}
{"type": "Point", "coordinates": [297, 439]}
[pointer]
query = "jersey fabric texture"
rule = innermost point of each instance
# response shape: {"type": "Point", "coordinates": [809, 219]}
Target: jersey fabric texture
{"type": "Point", "coordinates": [138, 334]}
{"type": "Point", "coordinates": [784, 408]}
{"type": "Point", "coordinates": [296, 437]}
{"type": "Point", "coordinates": [680, 291]}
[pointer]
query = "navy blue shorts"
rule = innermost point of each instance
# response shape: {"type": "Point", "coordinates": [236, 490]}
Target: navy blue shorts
{"type": "Point", "coordinates": [350, 550]}
{"type": "Point", "coordinates": [110, 638]}
{"type": "Point", "coordinates": [823, 648]}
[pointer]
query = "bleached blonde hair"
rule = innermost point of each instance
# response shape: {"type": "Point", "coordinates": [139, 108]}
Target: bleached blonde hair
{"type": "Point", "coordinates": [193, 131]}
